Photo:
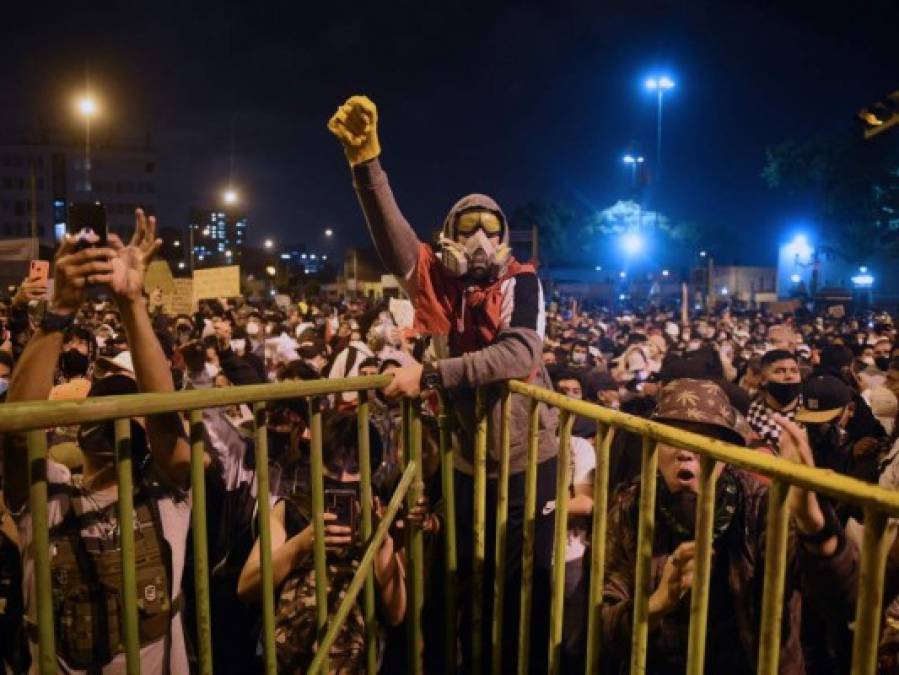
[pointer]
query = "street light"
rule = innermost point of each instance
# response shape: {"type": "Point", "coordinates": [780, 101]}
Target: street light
{"type": "Point", "coordinates": [87, 107]}
{"type": "Point", "coordinates": [329, 232]}
{"type": "Point", "coordinates": [659, 85]}
{"type": "Point", "coordinates": [632, 161]}
{"type": "Point", "coordinates": [270, 270]}
{"type": "Point", "coordinates": [230, 196]}
{"type": "Point", "coordinates": [268, 243]}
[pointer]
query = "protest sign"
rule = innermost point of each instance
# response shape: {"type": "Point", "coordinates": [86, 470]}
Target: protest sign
{"type": "Point", "coordinates": [402, 312]}
{"type": "Point", "coordinates": [217, 282]}
{"type": "Point", "coordinates": [181, 300]}
{"type": "Point", "coordinates": [159, 275]}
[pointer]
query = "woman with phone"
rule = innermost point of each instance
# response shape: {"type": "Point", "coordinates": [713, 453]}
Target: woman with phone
{"type": "Point", "coordinates": [292, 534]}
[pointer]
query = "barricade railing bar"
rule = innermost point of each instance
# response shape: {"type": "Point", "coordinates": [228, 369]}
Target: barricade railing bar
{"type": "Point", "coordinates": [32, 418]}
{"type": "Point", "coordinates": [878, 505]}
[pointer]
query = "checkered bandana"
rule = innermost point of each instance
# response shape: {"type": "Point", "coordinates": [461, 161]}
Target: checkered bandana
{"type": "Point", "coordinates": [761, 419]}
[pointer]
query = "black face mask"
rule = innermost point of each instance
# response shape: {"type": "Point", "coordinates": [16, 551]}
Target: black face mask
{"type": "Point", "coordinates": [73, 363]}
{"type": "Point", "coordinates": [882, 362]}
{"type": "Point", "coordinates": [826, 437]}
{"type": "Point", "coordinates": [784, 393]}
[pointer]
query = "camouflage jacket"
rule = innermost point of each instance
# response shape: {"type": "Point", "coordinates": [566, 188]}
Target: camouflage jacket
{"type": "Point", "coordinates": [736, 587]}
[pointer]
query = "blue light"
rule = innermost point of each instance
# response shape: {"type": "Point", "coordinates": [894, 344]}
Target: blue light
{"type": "Point", "coordinates": [795, 278]}
{"type": "Point", "coordinates": [801, 248]}
{"type": "Point", "coordinates": [285, 256]}
{"type": "Point", "coordinates": [863, 279]}
{"type": "Point", "coordinates": [632, 243]}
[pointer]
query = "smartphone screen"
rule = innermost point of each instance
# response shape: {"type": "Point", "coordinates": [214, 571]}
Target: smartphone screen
{"type": "Point", "coordinates": [87, 223]}
{"type": "Point", "coordinates": [40, 270]}
{"type": "Point", "coordinates": [343, 504]}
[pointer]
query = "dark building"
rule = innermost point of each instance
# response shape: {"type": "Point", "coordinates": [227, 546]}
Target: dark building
{"type": "Point", "coordinates": [40, 176]}
{"type": "Point", "coordinates": [217, 237]}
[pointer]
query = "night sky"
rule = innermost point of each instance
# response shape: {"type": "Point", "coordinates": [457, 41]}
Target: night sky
{"type": "Point", "coordinates": [523, 101]}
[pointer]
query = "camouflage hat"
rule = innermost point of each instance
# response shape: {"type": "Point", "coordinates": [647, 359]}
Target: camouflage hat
{"type": "Point", "coordinates": [698, 402]}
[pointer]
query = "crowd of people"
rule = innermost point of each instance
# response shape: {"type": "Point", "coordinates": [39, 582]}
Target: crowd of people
{"type": "Point", "coordinates": [810, 388]}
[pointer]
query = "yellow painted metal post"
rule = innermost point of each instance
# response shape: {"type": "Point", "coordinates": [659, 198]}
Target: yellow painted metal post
{"type": "Point", "coordinates": [603, 443]}
{"type": "Point", "coordinates": [527, 552]}
{"type": "Point", "coordinates": [37, 505]}
{"type": "Point", "coordinates": [414, 536]}
{"type": "Point", "coordinates": [265, 540]}
{"type": "Point", "coordinates": [365, 495]}
{"type": "Point", "coordinates": [557, 603]}
{"type": "Point", "coordinates": [502, 512]}
{"type": "Point", "coordinates": [200, 548]}
{"type": "Point", "coordinates": [645, 535]}
{"type": "Point", "coordinates": [318, 520]}
{"type": "Point", "coordinates": [451, 562]}
{"type": "Point", "coordinates": [123, 463]}
{"type": "Point", "coordinates": [776, 537]}
{"type": "Point", "coordinates": [875, 545]}
{"type": "Point", "coordinates": [699, 601]}
{"type": "Point", "coordinates": [480, 524]}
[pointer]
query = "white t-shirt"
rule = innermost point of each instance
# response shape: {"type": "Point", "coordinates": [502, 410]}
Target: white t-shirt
{"type": "Point", "coordinates": [583, 466]}
{"type": "Point", "coordinates": [174, 513]}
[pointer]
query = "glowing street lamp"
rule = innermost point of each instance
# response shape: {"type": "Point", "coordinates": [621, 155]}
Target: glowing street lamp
{"type": "Point", "coordinates": [87, 108]}
{"type": "Point", "coordinates": [230, 196]}
{"type": "Point", "coordinates": [659, 85]}
{"type": "Point", "coordinates": [329, 232]}
{"type": "Point", "coordinates": [633, 161]}
{"type": "Point", "coordinates": [268, 243]}
{"type": "Point", "coordinates": [270, 270]}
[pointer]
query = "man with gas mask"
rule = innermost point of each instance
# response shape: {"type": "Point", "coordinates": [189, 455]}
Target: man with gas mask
{"type": "Point", "coordinates": [485, 314]}
{"type": "Point", "coordinates": [820, 559]}
{"type": "Point", "coordinates": [781, 394]}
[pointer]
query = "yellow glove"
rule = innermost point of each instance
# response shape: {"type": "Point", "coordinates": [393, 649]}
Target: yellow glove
{"type": "Point", "coordinates": [356, 126]}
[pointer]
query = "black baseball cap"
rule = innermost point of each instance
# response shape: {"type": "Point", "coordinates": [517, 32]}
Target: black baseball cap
{"type": "Point", "coordinates": [823, 399]}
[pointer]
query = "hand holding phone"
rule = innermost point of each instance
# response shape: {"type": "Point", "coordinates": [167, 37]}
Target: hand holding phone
{"type": "Point", "coordinates": [87, 224]}
{"type": "Point", "coordinates": [39, 271]}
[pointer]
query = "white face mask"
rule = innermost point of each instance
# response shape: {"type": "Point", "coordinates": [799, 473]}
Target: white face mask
{"type": "Point", "coordinates": [238, 345]}
{"type": "Point", "coordinates": [212, 370]}
{"type": "Point", "coordinates": [4, 385]}
{"type": "Point", "coordinates": [579, 358]}
{"type": "Point", "coordinates": [252, 328]}
{"type": "Point", "coordinates": [101, 342]}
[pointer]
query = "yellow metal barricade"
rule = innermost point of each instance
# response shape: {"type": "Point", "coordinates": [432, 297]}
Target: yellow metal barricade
{"type": "Point", "coordinates": [30, 418]}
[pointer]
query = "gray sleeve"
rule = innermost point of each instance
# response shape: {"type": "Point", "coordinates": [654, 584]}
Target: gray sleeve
{"type": "Point", "coordinates": [393, 237]}
{"type": "Point", "coordinates": [513, 356]}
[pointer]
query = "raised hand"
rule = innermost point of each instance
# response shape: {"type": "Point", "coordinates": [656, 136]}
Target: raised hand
{"type": "Point", "coordinates": [803, 504]}
{"type": "Point", "coordinates": [355, 124]}
{"type": "Point", "coordinates": [74, 270]}
{"type": "Point", "coordinates": [129, 264]}
{"type": "Point", "coordinates": [32, 288]}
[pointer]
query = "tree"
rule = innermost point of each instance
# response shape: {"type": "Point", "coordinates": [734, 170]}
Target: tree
{"type": "Point", "coordinates": [567, 235]}
{"type": "Point", "coordinates": [856, 184]}
{"type": "Point", "coordinates": [557, 226]}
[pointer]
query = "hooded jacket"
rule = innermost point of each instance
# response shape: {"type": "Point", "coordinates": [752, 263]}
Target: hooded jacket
{"type": "Point", "coordinates": [483, 332]}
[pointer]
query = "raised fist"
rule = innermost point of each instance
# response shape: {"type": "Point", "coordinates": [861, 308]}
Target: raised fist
{"type": "Point", "coordinates": [355, 124]}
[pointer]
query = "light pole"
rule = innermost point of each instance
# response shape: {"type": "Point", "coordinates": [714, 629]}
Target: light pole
{"type": "Point", "coordinates": [659, 85]}
{"type": "Point", "coordinates": [633, 161]}
{"type": "Point", "coordinates": [87, 106]}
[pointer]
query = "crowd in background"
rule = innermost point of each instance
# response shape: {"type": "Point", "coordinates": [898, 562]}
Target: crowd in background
{"type": "Point", "coordinates": [806, 386]}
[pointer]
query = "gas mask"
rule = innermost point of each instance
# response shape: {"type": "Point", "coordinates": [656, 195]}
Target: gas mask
{"type": "Point", "coordinates": [478, 257]}
{"type": "Point", "coordinates": [477, 218]}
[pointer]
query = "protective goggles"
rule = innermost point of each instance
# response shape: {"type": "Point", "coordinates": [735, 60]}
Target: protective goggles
{"type": "Point", "coordinates": [468, 222]}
